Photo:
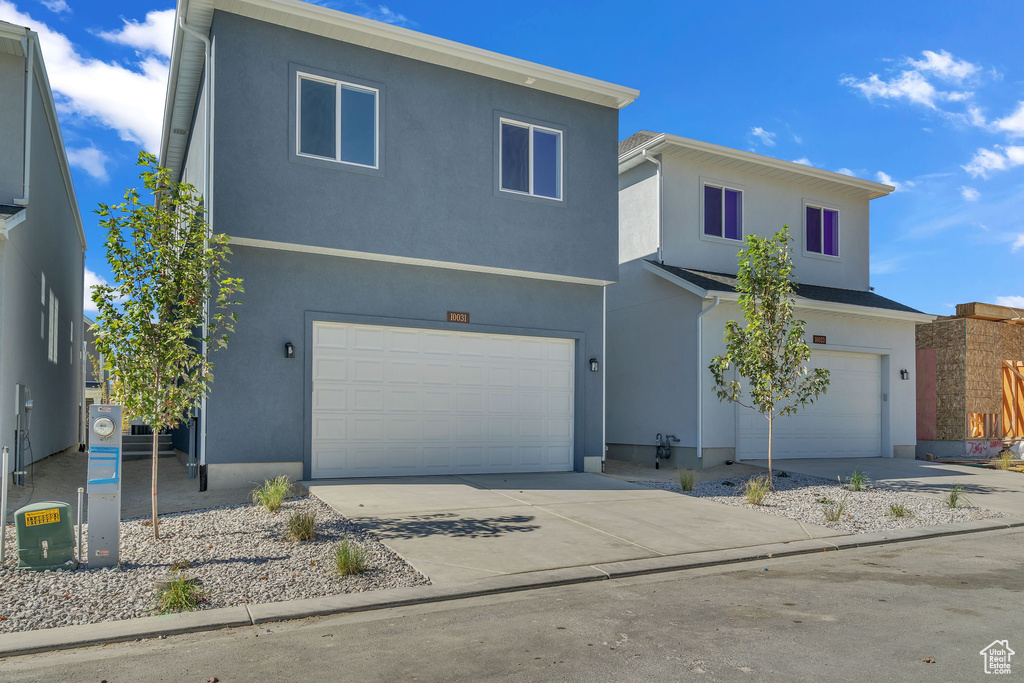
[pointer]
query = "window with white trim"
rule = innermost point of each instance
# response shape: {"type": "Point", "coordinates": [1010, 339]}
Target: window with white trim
{"type": "Point", "coordinates": [723, 211]}
{"type": "Point", "coordinates": [336, 121]}
{"type": "Point", "coordinates": [531, 159]}
{"type": "Point", "coordinates": [54, 323]}
{"type": "Point", "coordinates": [821, 230]}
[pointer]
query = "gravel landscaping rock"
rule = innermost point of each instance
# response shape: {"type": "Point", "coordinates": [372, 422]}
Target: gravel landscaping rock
{"type": "Point", "coordinates": [805, 499]}
{"type": "Point", "coordinates": [238, 552]}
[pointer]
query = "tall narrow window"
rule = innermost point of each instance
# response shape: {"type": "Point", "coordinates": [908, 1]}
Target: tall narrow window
{"type": "Point", "coordinates": [822, 230]}
{"type": "Point", "coordinates": [52, 351]}
{"type": "Point", "coordinates": [723, 212]}
{"type": "Point", "coordinates": [531, 159]}
{"type": "Point", "coordinates": [337, 121]}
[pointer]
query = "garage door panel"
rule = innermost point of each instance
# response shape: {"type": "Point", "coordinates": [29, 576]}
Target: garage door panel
{"type": "Point", "coordinates": [367, 338]}
{"type": "Point", "coordinates": [845, 422]}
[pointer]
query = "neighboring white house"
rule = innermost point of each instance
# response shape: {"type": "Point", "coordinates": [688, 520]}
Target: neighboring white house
{"type": "Point", "coordinates": [42, 252]}
{"type": "Point", "coordinates": [684, 208]}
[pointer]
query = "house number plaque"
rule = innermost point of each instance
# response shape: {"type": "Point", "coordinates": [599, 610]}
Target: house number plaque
{"type": "Point", "coordinates": [458, 317]}
{"type": "Point", "coordinates": [818, 338]}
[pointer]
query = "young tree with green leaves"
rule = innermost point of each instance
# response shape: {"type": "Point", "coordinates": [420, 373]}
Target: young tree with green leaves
{"type": "Point", "coordinates": [170, 302]}
{"type": "Point", "coordinates": [770, 352]}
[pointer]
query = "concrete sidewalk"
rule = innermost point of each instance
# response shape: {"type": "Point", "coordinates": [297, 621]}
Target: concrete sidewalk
{"type": "Point", "coordinates": [460, 528]}
{"type": "Point", "coordinates": [998, 490]}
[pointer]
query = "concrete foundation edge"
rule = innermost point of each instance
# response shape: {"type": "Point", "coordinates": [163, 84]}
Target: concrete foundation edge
{"type": "Point", "coordinates": [47, 640]}
{"type": "Point", "coordinates": [242, 474]}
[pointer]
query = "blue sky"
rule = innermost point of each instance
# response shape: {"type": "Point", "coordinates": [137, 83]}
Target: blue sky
{"type": "Point", "coordinates": [922, 95]}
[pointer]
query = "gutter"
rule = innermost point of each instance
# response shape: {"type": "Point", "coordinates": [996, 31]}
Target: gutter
{"type": "Point", "coordinates": [30, 63]}
{"type": "Point", "coordinates": [661, 211]}
{"type": "Point", "coordinates": [700, 375]}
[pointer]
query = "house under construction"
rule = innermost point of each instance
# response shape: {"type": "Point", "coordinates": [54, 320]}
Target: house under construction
{"type": "Point", "coordinates": [970, 383]}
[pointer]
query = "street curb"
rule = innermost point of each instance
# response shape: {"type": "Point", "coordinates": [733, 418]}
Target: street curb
{"type": "Point", "coordinates": [67, 637]}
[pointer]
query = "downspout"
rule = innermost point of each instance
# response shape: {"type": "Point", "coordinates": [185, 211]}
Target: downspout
{"type": "Point", "coordinates": [700, 375]}
{"type": "Point", "coordinates": [28, 45]}
{"type": "Point", "coordinates": [661, 212]}
{"type": "Point", "coordinates": [604, 375]}
{"type": "Point", "coordinates": [207, 201]}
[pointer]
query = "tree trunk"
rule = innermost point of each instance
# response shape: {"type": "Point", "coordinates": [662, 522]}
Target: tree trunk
{"type": "Point", "coordinates": [771, 482]}
{"type": "Point", "coordinates": [156, 460]}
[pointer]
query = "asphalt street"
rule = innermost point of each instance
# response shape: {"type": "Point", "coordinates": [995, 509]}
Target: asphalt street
{"type": "Point", "coordinates": [870, 614]}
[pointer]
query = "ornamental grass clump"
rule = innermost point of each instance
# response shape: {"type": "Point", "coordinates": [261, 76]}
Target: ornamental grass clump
{"type": "Point", "coordinates": [899, 510]}
{"type": "Point", "coordinates": [956, 498]}
{"type": "Point", "coordinates": [858, 481]}
{"type": "Point", "coordinates": [1004, 460]}
{"type": "Point", "coordinates": [183, 593]}
{"type": "Point", "coordinates": [272, 492]}
{"type": "Point", "coordinates": [349, 558]}
{"type": "Point", "coordinates": [302, 526]}
{"type": "Point", "coordinates": [833, 510]}
{"type": "Point", "coordinates": [756, 489]}
{"type": "Point", "coordinates": [686, 479]}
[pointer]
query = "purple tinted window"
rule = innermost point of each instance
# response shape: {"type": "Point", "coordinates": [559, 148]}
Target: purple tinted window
{"type": "Point", "coordinates": [814, 229]}
{"type": "Point", "coordinates": [733, 214]}
{"type": "Point", "coordinates": [515, 158]}
{"type": "Point", "coordinates": [830, 232]}
{"type": "Point", "coordinates": [712, 211]}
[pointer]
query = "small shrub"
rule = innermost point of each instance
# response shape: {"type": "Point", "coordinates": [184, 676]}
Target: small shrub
{"type": "Point", "coordinates": [179, 565]}
{"type": "Point", "coordinates": [182, 594]}
{"type": "Point", "coordinates": [858, 481]}
{"type": "Point", "coordinates": [1005, 460]}
{"type": "Point", "coordinates": [956, 497]}
{"type": "Point", "coordinates": [899, 510]}
{"type": "Point", "coordinates": [834, 510]}
{"type": "Point", "coordinates": [756, 489]}
{"type": "Point", "coordinates": [349, 558]}
{"type": "Point", "coordinates": [272, 493]}
{"type": "Point", "coordinates": [302, 526]}
{"type": "Point", "coordinates": [782, 475]}
{"type": "Point", "coordinates": [686, 479]}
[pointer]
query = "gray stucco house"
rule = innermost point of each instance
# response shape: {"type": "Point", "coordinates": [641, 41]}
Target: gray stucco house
{"type": "Point", "coordinates": [684, 208]}
{"type": "Point", "coordinates": [42, 259]}
{"type": "Point", "coordinates": [425, 230]}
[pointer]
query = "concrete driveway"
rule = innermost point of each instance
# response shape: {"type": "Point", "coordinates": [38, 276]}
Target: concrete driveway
{"type": "Point", "coordinates": [993, 489]}
{"type": "Point", "coordinates": [456, 528]}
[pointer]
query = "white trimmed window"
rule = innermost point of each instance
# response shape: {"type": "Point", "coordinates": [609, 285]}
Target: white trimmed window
{"type": "Point", "coordinates": [336, 121]}
{"type": "Point", "coordinates": [723, 211]}
{"type": "Point", "coordinates": [52, 354]}
{"type": "Point", "coordinates": [531, 159]}
{"type": "Point", "coordinates": [821, 230]}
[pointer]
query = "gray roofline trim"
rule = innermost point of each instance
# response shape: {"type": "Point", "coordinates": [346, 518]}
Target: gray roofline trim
{"type": "Point", "coordinates": [668, 143]}
{"type": "Point", "coordinates": [6, 224]}
{"type": "Point", "coordinates": [801, 302]}
{"type": "Point", "coordinates": [378, 36]}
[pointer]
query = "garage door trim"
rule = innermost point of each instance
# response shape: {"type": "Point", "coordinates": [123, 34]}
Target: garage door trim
{"type": "Point", "coordinates": [312, 317]}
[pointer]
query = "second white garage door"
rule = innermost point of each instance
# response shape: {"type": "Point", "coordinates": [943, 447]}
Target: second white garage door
{"type": "Point", "coordinates": [845, 422]}
{"type": "Point", "coordinates": [406, 401]}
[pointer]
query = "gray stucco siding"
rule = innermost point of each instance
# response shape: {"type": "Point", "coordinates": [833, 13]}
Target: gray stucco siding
{"type": "Point", "coordinates": [436, 197]}
{"type": "Point", "coordinates": [12, 126]}
{"type": "Point", "coordinates": [258, 410]}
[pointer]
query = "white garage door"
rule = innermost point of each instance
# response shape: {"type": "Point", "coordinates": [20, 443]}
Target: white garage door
{"type": "Point", "coordinates": [845, 422]}
{"type": "Point", "coordinates": [404, 401]}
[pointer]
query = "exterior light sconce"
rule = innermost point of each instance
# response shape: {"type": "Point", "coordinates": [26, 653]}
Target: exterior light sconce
{"type": "Point", "coordinates": [289, 350]}
{"type": "Point", "coordinates": [594, 365]}
{"type": "Point", "coordinates": [904, 374]}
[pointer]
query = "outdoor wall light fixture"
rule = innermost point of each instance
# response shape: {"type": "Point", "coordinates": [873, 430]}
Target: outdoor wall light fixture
{"type": "Point", "coordinates": [904, 374]}
{"type": "Point", "coordinates": [289, 350]}
{"type": "Point", "coordinates": [594, 365]}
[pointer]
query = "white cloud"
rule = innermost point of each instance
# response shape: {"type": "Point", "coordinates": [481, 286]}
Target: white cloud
{"type": "Point", "coordinates": [996, 159]}
{"type": "Point", "coordinates": [910, 85]}
{"type": "Point", "coordinates": [1012, 124]}
{"type": "Point", "coordinates": [1018, 243]}
{"type": "Point", "coordinates": [944, 65]}
{"type": "Point", "coordinates": [91, 280]}
{"type": "Point", "coordinates": [803, 160]}
{"type": "Point", "coordinates": [767, 138]}
{"type": "Point", "coordinates": [1010, 301]}
{"type": "Point", "coordinates": [382, 13]}
{"type": "Point", "coordinates": [128, 100]}
{"type": "Point", "coordinates": [969, 193]}
{"type": "Point", "coordinates": [152, 35]}
{"type": "Point", "coordinates": [887, 266]}
{"type": "Point", "coordinates": [845, 171]}
{"type": "Point", "coordinates": [56, 6]}
{"type": "Point", "coordinates": [797, 139]}
{"type": "Point", "coordinates": [90, 160]}
{"type": "Point", "coordinates": [884, 177]}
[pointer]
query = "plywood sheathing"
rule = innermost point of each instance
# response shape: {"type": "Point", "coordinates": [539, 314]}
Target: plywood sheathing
{"type": "Point", "coordinates": [988, 345]}
{"type": "Point", "coordinates": [947, 337]}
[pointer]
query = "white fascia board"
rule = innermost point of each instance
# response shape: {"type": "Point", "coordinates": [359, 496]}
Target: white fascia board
{"type": "Point", "coordinates": [668, 143]}
{"type": "Point", "coordinates": [410, 261]}
{"type": "Point", "coordinates": [799, 301]}
{"type": "Point", "coordinates": [378, 36]}
{"type": "Point", "coordinates": [7, 224]}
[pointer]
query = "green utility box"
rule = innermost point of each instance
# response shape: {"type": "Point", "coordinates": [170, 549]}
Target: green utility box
{"type": "Point", "coordinates": [46, 536]}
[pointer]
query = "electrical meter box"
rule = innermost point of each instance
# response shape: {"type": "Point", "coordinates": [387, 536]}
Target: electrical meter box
{"type": "Point", "coordinates": [104, 486]}
{"type": "Point", "coordinates": [46, 536]}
